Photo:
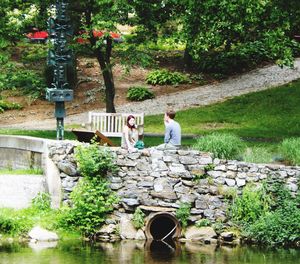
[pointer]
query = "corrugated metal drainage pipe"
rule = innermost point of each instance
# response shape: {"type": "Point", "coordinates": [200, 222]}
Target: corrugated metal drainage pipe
{"type": "Point", "coordinates": [161, 226]}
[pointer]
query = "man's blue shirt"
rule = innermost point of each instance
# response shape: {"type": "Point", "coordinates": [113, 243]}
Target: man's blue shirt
{"type": "Point", "coordinates": [173, 133]}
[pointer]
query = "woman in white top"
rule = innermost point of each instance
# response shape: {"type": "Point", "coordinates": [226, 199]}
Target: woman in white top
{"type": "Point", "coordinates": [130, 134]}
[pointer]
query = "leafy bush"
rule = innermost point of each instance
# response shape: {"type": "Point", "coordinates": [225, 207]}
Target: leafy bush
{"type": "Point", "coordinates": [27, 81]}
{"type": "Point", "coordinates": [94, 161]}
{"type": "Point", "coordinates": [41, 202]}
{"type": "Point", "coordinates": [14, 223]}
{"type": "Point", "coordinates": [138, 218]}
{"type": "Point", "coordinates": [5, 105]}
{"type": "Point", "coordinates": [270, 214]}
{"type": "Point", "coordinates": [290, 150]}
{"type": "Point", "coordinates": [203, 222]}
{"type": "Point", "coordinates": [183, 213]}
{"type": "Point", "coordinates": [91, 199]}
{"type": "Point", "coordinates": [134, 55]}
{"type": "Point", "coordinates": [250, 206]}
{"type": "Point", "coordinates": [281, 225]}
{"type": "Point", "coordinates": [139, 93]}
{"type": "Point", "coordinates": [34, 53]}
{"type": "Point", "coordinates": [14, 76]}
{"type": "Point", "coordinates": [163, 77]}
{"type": "Point", "coordinates": [257, 155]}
{"type": "Point", "coordinates": [222, 145]}
{"type": "Point", "coordinates": [218, 226]}
{"type": "Point", "coordinates": [244, 56]}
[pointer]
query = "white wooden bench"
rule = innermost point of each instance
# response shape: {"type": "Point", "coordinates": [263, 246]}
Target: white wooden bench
{"type": "Point", "coordinates": [111, 124]}
{"type": "Point", "coordinates": [106, 125]}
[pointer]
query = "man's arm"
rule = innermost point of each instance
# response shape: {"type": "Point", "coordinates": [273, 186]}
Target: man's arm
{"type": "Point", "coordinates": [168, 133]}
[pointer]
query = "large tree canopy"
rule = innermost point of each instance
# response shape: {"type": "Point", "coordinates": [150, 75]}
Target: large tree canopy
{"type": "Point", "coordinates": [225, 32]}
{"type": "Point", "coordinates": [221, 36]}
{"type": "Point", "coordinates": [104, 16]}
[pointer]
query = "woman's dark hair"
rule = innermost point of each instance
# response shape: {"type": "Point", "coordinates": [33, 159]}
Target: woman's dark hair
{"type": "Point", "coordinates": [128, 118]}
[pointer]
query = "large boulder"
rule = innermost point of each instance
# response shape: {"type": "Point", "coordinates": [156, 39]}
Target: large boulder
{"type": "Point", "coordinates": [127, 230]}
{"type": "Point", "coordinates": [200, 234]}
{"type": "Point", "coordinates": [40, 234]}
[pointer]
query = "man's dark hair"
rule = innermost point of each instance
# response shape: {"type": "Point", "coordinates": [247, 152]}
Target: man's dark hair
{"type": "Point", "coordinates": [171, 114]}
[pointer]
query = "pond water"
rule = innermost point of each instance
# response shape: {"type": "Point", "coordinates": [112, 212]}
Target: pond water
{"type": "Point", "coordinates": [136, 252]}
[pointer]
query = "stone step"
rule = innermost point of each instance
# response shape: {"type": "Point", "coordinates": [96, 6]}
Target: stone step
{"type": "Point", "coordinates": [17, 191]}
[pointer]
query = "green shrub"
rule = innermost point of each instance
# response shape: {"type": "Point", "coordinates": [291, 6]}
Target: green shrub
{"type": "Point", "coordinates": [222, 145]}
{"type": "Point", "coordinates": [14, 222]}
{"type": "Point", "coordinates": [91, 199]}
{"type": "Point", "coordinates": [42, 202]}
{"type": "Point", "coordinates": [132, 55]}
{"type": "Point", "coordinates": [34, 53]}
{"type": "Point", "coordinates": [138, 218]}
{"type": "Point", "coordinates": [163, 77]}
{"type": "Point", "coordinates": [250, 206]}
{"type": "Point", "coordinates": [290, 150]}
{"type": "Point", "coordinates": [281, 227]}
{"type": "Point", "coordinates": [27, 81]}
{"type": "Point", "coordinates": [269, 214]}
{"type": "Point", "coordinates": [257, 155]}
{"type": "Point", "coordinates": [5, 105]}
{"type": "Point", "coordinates": [139, 93]}
{"type": "Point", "coordinates": [218, 226]}
{"type": "Point", "coordinates": [203, 222]}
{"type": "Point", "coordinates": [281, 224]}
{"type": "Point", "coordinates": [183, 213]}
{"type": "Point", "coordinates": [94, 161]}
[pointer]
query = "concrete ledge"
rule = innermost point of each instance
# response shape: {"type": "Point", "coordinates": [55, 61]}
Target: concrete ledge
{"type": "Point", "coordinates": [24, 143]}
{"type": "Point", "coordinates": [24, 150]}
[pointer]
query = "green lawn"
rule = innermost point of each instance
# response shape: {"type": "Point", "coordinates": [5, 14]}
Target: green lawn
{"type": "Point", "coordinates": [273, 114]}
{"type": "Point", "coordinates": [50, 134]}
{"type": "Point", "coordinates": [36, 171]}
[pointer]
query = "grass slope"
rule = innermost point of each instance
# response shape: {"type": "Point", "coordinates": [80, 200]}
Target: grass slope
{"type": "Point", "coordinates": [273, 113]}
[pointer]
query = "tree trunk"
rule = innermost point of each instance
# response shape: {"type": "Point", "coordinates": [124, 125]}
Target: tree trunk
{"type": "Point", "coordinates": [187, 58]}
{"type": "Point", "coordinates": [106, 69]}
{"type": "Point", "coordinates": [103, 54]}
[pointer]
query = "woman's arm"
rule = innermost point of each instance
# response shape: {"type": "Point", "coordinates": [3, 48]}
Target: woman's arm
{"type": "Point", "coordinates": [135, 136]}
{"type": "Point", "coordinates": [127, 139]}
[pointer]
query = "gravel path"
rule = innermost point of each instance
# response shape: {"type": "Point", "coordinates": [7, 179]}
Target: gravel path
{"type": "Point", "coordinates": [256, 80]}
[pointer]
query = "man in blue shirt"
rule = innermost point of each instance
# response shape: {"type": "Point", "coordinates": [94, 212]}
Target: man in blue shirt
{"type": "Point", "coordinates": [172, 132]}
{"type": "Point", "coordinates": [173, 129]}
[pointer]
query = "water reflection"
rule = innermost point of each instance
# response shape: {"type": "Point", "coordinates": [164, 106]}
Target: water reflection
{"type": "Point", "coordinates": [136, 252]}
{"type": "Point", "coordinates": [41, 245]}
{"type": "Point", "coordinates": [162, 251]}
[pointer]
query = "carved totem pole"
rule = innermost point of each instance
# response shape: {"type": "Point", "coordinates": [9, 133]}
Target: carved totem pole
{"type": "Point", "coordinates": [59, 57]}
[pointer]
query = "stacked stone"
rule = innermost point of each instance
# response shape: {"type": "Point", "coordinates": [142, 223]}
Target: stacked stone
{"type": "Point", "coordinates": [161, 180]}
{"type": "Point", "coordinates": [62, 155]}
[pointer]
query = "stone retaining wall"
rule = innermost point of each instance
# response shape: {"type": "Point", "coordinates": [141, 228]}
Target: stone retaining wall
{"type": "Point", "coordinates": [158, 180]}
